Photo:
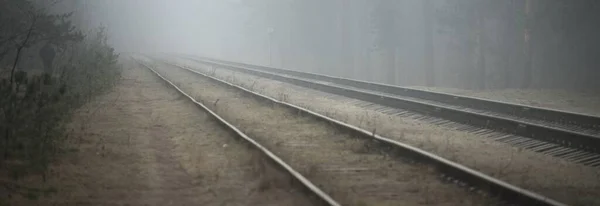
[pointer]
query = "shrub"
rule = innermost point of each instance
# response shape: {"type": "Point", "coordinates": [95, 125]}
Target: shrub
{"type": "Point", "coordinates": [35, 107]}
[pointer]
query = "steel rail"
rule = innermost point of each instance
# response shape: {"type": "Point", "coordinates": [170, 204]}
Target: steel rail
{"type": "Point", "coordinates": [563, 137]}
{"type": "Point", "coordinates": [309, 187]}
{"type": "Point", "coordinates": [546, 114]}
{"type": "Point", "coordinates": [452, 171]}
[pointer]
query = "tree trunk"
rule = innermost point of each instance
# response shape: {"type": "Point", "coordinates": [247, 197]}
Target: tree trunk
{"type": "Point", "coordinates": [429, 58]}
{"type": "Point", "coordinates": [344, 52]}
{"type": "Point", "coordinates": [480, 79]}
{"type": "Point", "coordinates": [528, 67]}
{"type": "Point", "coordinates": [479, 70]}
{"type": "Point", "coordinates": [390, 66]}
{"type": "Point", "coordinates": [528, 48]}
{"type": "Point", "coordinates": [505, 68]}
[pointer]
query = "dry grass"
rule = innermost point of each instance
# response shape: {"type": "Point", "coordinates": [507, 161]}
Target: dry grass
{"type": "Point", "coordinates": [567, 182]}
{"type": "Point", "coordinates": [148, 146]}
{"type": "Point", "coordinates": [349, 169]}
{"type": "Point", "coordinates": [575, 101]}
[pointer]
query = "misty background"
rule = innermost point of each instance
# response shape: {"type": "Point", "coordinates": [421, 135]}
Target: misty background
{"type": "Point", "coordinates": [469, 44]}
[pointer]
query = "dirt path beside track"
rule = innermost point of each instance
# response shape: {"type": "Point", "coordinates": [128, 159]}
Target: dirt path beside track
{"type": "Point", "coordinates": [144, 144]}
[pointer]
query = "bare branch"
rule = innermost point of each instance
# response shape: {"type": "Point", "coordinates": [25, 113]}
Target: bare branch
{"type": "Point", "coordinates": [12, 71]}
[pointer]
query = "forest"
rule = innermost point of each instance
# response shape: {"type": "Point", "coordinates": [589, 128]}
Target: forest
{"type": "Point", "coordinates": [468, 44]}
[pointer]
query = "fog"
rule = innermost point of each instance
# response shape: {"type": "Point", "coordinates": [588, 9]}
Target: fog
{"type": "Point", "coordinates": [469, 44]}
{"type": "Point", "coordinates": [156, 25]}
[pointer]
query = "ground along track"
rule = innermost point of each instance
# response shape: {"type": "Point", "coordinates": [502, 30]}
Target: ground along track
{"type": "Point", "coordinates": [565, 181]}
{"type": "Point", "coordinates": [562, 119]}
{"type": "Point", "coordinates": [574, 137]}
{"type": "Point", "coordinates": [353, 170]}
{"type": "Point", "coordinates": [231, 167]}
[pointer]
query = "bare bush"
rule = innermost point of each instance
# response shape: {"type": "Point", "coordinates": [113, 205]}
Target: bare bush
{"type": "Point", "coordinates": [36, 105]}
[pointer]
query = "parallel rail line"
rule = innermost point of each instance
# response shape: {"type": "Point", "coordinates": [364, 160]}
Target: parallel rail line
{"type": "Point", "coordinates": [582, 121]}
{"type": "Point", "coordinates": [452, 171]}
{"type": "Point", "coordinates": [567, 135]}
{"type": "Point", "coordinates": [308, 186]}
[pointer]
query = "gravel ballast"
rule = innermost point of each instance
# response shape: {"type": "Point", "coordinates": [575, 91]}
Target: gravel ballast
{"type": "Point", "coordinates": [345, 167]}
{"type": "Point", "coordinates": [553, 177]}
{"type": "Point", "coordinates": [572, 101]}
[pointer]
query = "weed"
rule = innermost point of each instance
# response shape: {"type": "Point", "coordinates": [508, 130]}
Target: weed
{"type": "Point", "coordinates": [283, 96]}
{"type": "Point", "coordinates": [254, 84]}
{"type": "Point", "coordinates": [35, 107]}
{"type": "Point", "coordinates": [213, 71]}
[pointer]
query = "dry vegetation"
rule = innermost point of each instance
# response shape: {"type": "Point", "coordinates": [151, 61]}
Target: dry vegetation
{"type": "Point", "coordinates": [36, 106]}
{"type": "Point", "coordinates": [145, 145]}
{"type": "Point", "coordinates": [580, 102]}
{"type": "Point", "coordinates": [567, 182]}
{"type": "Point", "coordinates": [348, 168]}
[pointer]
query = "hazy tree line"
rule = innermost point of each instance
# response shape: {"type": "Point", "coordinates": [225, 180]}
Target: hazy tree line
{"type": "Point", "coordinates": [48, 67]}
{"type": "Point", "coordinates": [473, 44]}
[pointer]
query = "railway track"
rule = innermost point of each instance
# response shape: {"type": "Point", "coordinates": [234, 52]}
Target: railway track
{"type": "Point", "coordinates": [316, 194]}
{"type": "Point", "coordinates": [451, 171]}
{"type": "Point", "coordinates": [571, 136]}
